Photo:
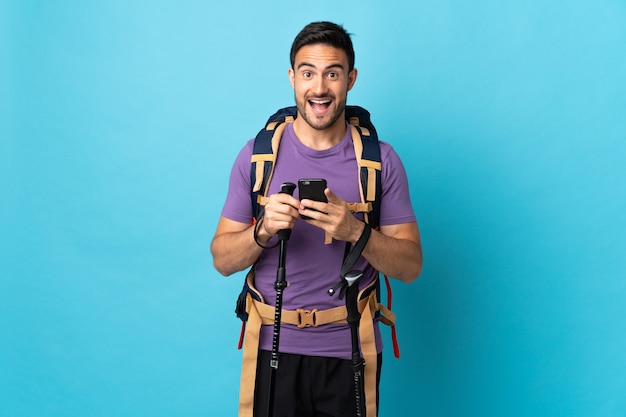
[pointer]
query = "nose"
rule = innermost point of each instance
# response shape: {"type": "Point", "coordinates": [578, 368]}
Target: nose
{"type": "Point", "coordinates": [319, 87]}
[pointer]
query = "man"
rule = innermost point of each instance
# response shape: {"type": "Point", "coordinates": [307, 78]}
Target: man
{"type": "Point", "coordinates": [315, 375]}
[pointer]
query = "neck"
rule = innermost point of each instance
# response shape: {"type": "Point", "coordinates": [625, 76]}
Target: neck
{"type": "Point", "coordinates": [319, 139]}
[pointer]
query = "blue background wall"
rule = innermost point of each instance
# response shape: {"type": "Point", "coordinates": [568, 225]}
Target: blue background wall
{"type": "Point", "coordinates": [120, 120]}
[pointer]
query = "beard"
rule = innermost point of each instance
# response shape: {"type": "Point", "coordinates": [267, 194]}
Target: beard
{"type": "Point", "coordinates": [321, 123]}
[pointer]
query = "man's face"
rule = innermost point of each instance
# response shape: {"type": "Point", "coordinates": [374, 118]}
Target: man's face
{"type": "Point", "coordinates": [321, 80]}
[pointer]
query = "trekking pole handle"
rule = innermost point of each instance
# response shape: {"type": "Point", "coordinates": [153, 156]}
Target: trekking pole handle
{"type": "Point", "coordinates": [286, 188]}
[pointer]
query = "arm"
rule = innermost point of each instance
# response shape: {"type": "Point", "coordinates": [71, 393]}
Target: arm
{"type": "Point", "coordinates": [395, 250]}
{"type": "Point", "coordinates": [233, 246]}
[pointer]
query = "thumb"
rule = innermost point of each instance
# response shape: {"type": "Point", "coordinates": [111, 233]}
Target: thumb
{"type": "Point", "coordinates": [332, 197]}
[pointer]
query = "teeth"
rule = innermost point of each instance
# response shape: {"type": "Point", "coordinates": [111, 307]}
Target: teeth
{"type": "Point", "coordinates": [320, 101]}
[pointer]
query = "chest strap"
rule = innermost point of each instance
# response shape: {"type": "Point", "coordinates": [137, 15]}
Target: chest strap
{"type": "Point", "coordinates": [260, 313]}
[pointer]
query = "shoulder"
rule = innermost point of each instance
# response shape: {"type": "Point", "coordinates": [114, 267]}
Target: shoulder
{"type": "Point", "coordinates": [248, 148]}
{"type": "Point", "coordinates": [388, 155]}
{"type": "Point", "coordinates": [245, 154]}
{"type": "Point", "coordinates": [385, 148]}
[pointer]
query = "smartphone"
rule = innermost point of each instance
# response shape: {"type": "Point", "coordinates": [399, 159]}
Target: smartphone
{"type": "Point", "coordinates": [312, 189]}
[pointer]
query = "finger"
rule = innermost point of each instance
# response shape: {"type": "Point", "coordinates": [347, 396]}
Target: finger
{"type": "Point", "coordinates": [276, 221]}
{"type": "Point", "coordinates": [330, 196]}
{"type": "Point", "coordinates": [334, 199]}
{"type": "Point", "coordinates": [287, 199]}
{"type": "Point", "coordinates": [283, 203]}
{"type": "Point", "coordinates": [283, 214]}
{"type": "Point", "coordinates": [311, 206]}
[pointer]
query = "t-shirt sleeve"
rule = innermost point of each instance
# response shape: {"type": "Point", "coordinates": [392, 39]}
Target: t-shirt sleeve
{"type": "Point", "coordinates": [396, 207]}
{"type": "Point", "coordinates": [238, 206]}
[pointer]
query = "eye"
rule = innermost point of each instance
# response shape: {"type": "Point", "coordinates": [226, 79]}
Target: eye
{"type": "Point", "coordinates": [307, 74]}
{"type": "Point", "coordinates": [333, 75]}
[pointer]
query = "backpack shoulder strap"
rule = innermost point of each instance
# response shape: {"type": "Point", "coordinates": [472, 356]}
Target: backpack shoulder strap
{"type": "Point", "coordinates": [264, 155]}
{"type": "Point", "coordinates": [367, 151]}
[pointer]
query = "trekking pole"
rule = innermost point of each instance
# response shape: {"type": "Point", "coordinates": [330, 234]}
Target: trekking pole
{"type": "Point", "coordinates": [279, 285]}
{"type": "Point", "coordinates": [349, 287]}
{"type": "Point", "coordinates": [358, 364]}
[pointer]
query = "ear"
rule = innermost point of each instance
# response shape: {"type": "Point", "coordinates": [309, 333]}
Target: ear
{"type": "Point", "coordinates": [352, 78]}
{"type": "Point", "coordinates": [292, 75]}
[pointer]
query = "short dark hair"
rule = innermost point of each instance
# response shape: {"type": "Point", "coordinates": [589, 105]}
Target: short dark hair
{"type": "Point", "coordinates": [326, 33]}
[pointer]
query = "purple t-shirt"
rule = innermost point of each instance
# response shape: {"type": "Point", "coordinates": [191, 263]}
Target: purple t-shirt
{"type": "Point", "coordinates": [311, 266]}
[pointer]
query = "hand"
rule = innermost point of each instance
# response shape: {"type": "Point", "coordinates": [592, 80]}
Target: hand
{"type": "Point", "coordinates": [280, 213]}
{"type": "Point", "coordinates": [333, 217]}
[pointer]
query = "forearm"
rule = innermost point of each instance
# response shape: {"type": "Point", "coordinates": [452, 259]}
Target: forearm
{"type": "Point", "coordinates": [237, 250]}
{"type": "Point", "coordinates": [395, 257]}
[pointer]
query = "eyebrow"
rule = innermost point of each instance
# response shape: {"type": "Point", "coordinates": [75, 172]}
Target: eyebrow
{"type": "Point", "coordinates": [331, 66]}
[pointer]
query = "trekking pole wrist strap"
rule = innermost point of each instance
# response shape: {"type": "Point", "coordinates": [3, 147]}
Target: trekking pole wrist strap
{"type": "Point", "coordinates": [256, 232]}
{"type": "Point", "coordinates": [356, 250]}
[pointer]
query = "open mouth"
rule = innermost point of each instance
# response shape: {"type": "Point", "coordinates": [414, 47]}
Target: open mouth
{"type": "Point", "coordinates": [319, 105]}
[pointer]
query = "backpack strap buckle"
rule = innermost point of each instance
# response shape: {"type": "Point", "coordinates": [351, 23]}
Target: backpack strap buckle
{"type": "Point", "coordinates": [360, 207]}
{"type": "Point", "coordinates": [307, 318]}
